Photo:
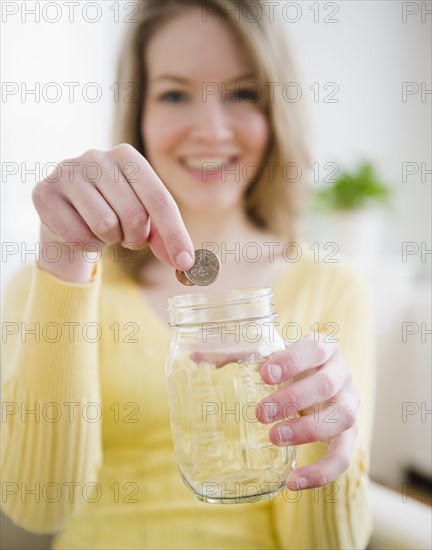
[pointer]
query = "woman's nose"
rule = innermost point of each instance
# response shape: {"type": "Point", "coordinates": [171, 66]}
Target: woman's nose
{"type": "Point", "coordinates": [212, 122]}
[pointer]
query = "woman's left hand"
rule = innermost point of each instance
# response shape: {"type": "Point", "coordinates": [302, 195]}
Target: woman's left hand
{"type": "Point", "coordinates": [323, 394]}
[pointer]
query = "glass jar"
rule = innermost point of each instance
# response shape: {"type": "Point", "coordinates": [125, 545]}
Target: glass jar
{"type": "Point", "coordinates": [219, 343]}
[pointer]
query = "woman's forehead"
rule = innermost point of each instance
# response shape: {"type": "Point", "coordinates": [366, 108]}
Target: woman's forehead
{"type": "Point", "coordinates": [191, 46]}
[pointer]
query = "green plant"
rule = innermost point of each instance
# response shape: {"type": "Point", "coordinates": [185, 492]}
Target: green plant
{"type": "Point", "coordinates": [353, 190]}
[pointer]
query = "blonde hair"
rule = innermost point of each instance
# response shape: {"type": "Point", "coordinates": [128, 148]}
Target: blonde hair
{"type": "Point", "coordinates": [273, 198]}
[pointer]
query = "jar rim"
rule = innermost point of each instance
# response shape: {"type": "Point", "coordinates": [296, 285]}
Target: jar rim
{"type": "Point", "coordinates": [223, 306]}
{"type": "Point", "coordinates": [207, 300]}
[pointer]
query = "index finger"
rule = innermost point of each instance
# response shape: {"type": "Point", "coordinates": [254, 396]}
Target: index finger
{"type": "Point", "coordinates": [163, 211]}
{"type": "Point", "coordinates": [305, 354]}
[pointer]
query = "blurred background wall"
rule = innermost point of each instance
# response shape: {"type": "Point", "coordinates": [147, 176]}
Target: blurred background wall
{"type": "Point", "coordinates": [366, 81]}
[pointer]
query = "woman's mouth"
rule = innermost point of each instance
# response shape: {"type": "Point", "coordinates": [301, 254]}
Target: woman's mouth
{"type": "Point", "coordinates": [210, 168]}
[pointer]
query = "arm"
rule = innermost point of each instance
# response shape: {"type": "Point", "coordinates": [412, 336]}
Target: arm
{"type": "Point", "coordinates": [53, 371]}
{"type": "Point", "coordinates": [58, 376]}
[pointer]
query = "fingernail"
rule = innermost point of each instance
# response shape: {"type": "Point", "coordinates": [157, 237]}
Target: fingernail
{"type": "Point", "coordinates": [275, 373]}
{"type": "Point", "coordinates": [270, 410]}
{"type": "Point", "coordinates": [184, 260]}
{"type": "Point", "coordinates": [301, 482]}
{"type": "Point", "coordinates": [285, 434]}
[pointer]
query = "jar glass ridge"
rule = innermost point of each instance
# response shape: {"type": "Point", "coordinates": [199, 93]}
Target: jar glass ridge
{"type": "Point", "coordinates": [219, 343]}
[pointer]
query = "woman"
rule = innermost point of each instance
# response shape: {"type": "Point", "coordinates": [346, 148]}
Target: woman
{"type": "Point", "coordinates": [202, 157]}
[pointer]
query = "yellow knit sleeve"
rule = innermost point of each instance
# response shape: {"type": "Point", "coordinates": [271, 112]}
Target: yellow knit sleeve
{"type": "Point", "coordinates": [51, 428]}
{"type": "Point", "coordinates": [338, 516]}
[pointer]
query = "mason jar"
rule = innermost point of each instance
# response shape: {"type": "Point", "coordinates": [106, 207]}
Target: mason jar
{"type": "Point", "coordinates": [219, 344]}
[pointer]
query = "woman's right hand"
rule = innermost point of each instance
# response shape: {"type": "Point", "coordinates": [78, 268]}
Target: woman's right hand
{"type": "Point", "coordinates": [93, 200]}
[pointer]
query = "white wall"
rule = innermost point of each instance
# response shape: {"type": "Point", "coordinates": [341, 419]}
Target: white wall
{"type": "Point", "coordinates": [369, 53]}
{"type": "Point", "coordinates": [40, 131]}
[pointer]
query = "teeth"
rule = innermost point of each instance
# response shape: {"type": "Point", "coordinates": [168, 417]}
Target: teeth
{"type": "Point", "coordinates": [207, 163]}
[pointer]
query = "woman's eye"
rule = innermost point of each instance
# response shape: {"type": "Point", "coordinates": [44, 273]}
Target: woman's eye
{"type": "Point", "coordinates": [244, 95]}
{"type": "Point", "coordinates": [173, 97]}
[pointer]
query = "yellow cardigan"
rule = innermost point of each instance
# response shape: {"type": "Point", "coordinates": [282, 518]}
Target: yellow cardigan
{"type": "Point", "coordinates": [94, 460]}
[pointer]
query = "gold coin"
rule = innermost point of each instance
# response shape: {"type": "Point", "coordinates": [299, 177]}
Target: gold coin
{"type": "Point", "coordinates": [182, 278]}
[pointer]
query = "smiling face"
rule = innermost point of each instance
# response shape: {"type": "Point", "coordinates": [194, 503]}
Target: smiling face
{"type": "Point", "coordinates": [203, 133]}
